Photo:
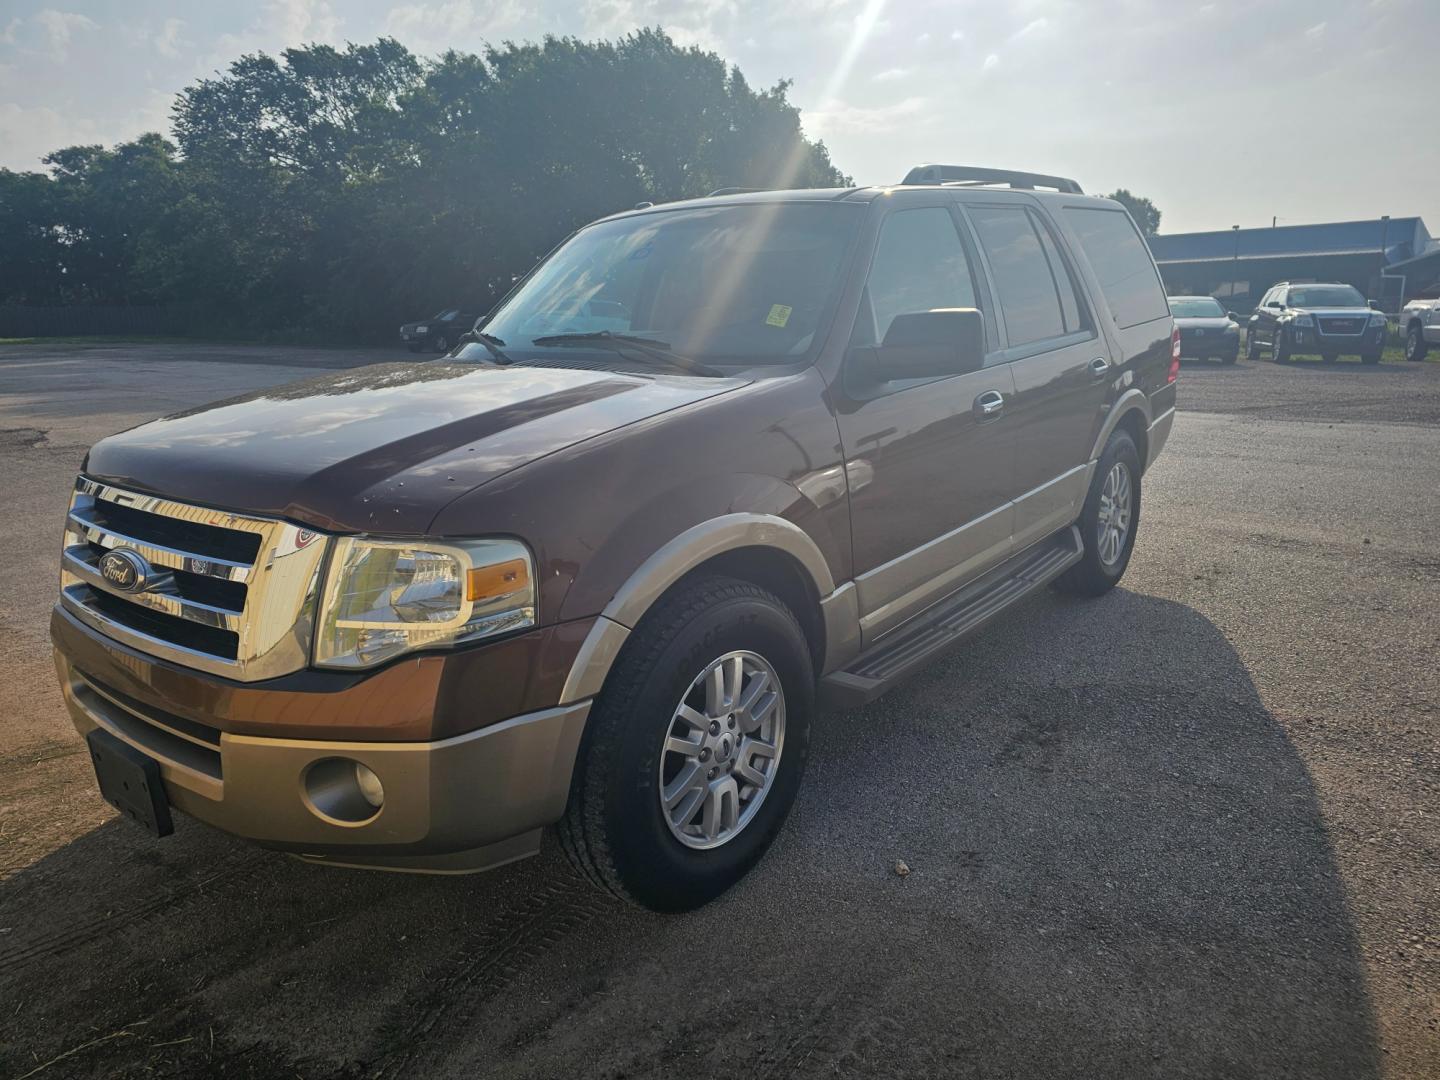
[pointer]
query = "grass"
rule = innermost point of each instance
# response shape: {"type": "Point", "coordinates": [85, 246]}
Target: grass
{"type": "Point", "coordinates": [1394, 353]}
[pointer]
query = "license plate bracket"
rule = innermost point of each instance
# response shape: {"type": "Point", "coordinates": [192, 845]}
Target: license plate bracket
{"type": "Point", "coordinates": [130, 781]}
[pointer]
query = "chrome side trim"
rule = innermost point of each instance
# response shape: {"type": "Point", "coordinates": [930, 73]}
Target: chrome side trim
{"type": "Point", "coordinates": [892, 592]}
{"type": "Point", "coordinates": [706, 540]}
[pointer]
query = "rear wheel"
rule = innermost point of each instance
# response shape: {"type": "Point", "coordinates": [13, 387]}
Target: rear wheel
{"type": "Point", "coordinates": [1415, 345]}
{"type": "Point", "coordinates": [1109, 520]}
{"type": "Point", "coordinates": [1252, 345]}
{"type": "Point", "coordinates": [1231, 357]}
{"type": "Point", "coordinates": [695, 748]}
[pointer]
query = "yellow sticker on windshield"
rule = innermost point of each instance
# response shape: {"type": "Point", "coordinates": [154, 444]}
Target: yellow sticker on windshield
{"type": "Point", "coordinates": [779, 315]}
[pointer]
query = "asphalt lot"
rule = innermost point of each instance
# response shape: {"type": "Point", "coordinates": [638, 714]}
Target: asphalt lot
{"type": "Point", "coordinates": [1190, 829]}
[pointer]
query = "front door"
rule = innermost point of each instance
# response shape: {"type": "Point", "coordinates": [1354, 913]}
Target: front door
{"type": "Point", "coordinates": [929, 461]}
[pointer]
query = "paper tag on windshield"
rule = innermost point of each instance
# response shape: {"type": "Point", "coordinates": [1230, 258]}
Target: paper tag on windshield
{"type": "Point", "coordinates": [779, 315]}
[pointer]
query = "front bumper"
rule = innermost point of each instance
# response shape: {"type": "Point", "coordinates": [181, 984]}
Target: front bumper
{"type": "Point", "coordinates": [458, 804]}
{"type": "Point", "coordinates": [1310, 338]}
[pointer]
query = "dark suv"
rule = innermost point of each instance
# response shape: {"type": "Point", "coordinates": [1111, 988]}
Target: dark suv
{"type": "Point", "coordinates": [710, 464]}
{"type": "Point", "coordinates": [1328, 319]}
{"type": "Point", "coordinates": [439, 333]}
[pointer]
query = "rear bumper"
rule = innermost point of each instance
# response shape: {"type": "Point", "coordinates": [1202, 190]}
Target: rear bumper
{"type": "Point", "coordinates": [1208, 346]}
{"type": "Point", "coordinates": [458, 804]}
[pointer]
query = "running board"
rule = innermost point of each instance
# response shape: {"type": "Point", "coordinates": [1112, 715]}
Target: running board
{"type": "Point", "coordinates": [915, 643]}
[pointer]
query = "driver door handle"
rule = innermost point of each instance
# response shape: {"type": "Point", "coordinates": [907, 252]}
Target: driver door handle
{"type": "Point", "coordinates": [990, 404]}
{"type": "Point", "coordinates": [1099, 366]}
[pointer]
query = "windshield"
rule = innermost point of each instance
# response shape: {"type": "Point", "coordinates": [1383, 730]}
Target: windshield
{"type": "Point", "coordinates": [447, 313]}
{"type": "Point", "coordinates": [1196, 309]}
{"type": "Point", "coordinates": [1326, 296]}
{"type": "Point", "coordinates": [720, 284]}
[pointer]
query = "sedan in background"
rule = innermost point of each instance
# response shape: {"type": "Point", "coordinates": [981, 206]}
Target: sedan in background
{"type": "Point", "coordinates": [439, 333]}
{"type": "Point", "coordinates": [1207, 330]}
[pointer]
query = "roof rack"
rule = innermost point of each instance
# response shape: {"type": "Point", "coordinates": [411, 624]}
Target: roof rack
{"type": "Point", "coordinates": [969, 176]}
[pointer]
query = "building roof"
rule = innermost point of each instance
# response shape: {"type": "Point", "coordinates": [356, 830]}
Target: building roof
{"type": "Point", "coordinates": [1330, 238]}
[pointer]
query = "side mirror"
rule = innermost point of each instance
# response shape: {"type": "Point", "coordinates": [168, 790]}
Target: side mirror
{"type": "Point", "coordinates": [926, 345]}
{"type": "Point", "coordinates": [1232, 316]}
{"type": "Point", "coordinates": [1373, 305]}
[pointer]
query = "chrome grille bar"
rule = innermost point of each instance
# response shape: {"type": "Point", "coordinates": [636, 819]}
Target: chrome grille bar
{"type": "Point", "coordinates": [198, 605]}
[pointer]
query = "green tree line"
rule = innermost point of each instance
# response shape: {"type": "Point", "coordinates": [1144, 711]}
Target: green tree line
{"type": "Point", "coordinates": [334, 193]}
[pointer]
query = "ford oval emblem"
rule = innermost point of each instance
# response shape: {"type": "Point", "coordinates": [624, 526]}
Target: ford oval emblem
{"type": "Point", "coordinates": [124, 570]}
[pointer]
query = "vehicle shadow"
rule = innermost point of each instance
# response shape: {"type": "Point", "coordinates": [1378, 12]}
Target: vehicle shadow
{"type": "Point", "coordinates": [1117, 867]}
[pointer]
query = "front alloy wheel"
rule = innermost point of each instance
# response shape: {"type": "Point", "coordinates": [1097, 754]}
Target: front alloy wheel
{"type": "Point", "coordinates": [1112, 523]}
{"type": "Point", "coordinates": [722, 751]}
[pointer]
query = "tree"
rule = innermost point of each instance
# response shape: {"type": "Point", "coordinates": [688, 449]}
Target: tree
{"type": "Point", "coordinates": [338, 192]}
{"type": "Point", "coordinates": [1144, 212]}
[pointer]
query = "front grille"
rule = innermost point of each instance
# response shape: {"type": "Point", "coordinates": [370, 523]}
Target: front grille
{"type": "Point", "coordinates": [226, 593]}
{"type": "Point", "coordinates": [1348, 326]}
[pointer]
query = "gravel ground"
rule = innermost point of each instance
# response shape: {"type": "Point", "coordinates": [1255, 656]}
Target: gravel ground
{"type": "Point", "coordinates": [1190, 829]}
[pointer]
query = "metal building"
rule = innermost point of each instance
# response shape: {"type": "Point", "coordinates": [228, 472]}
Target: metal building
{"type": "Point", "coordinates": [1387, 259]}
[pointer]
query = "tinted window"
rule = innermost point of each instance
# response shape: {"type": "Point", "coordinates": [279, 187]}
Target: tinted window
{"type": "Point", "coordinates": [1196, 309]}
{"type": "Point", "coordinates": [1122, 263]}
{"type": "Point", "coordinates": [1030, 289]}
{"type": "Point", "coordinates": [919, 265]}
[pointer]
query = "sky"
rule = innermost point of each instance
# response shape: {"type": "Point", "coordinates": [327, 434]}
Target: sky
{"type": "Point", "coordinates": [1222, 113]}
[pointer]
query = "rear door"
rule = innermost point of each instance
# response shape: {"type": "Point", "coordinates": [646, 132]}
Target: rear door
{"type": "Point", "coordinates": [1060, 362]}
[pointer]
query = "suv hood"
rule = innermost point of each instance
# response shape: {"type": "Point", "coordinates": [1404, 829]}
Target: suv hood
{"type": "Point", "coordinates": [380, 449]}
{"type": "Point", "coordinates": [1334, 312]}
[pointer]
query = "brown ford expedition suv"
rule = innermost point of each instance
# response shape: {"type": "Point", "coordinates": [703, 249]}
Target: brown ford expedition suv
{"type": "Point", "coordinates": [710, 464]}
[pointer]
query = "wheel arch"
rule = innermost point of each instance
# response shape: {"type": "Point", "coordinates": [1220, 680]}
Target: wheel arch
{"type": "Point", "coordinates": [1132, 410]}
{"type": "Point", "coordinates": [766, 550]}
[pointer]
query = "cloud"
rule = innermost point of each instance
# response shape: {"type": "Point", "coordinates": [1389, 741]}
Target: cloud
{"type": "Point", "coordinates": [838, 118]}
{"type": "Point", "coordinates": [281, 24]}
{"type": "Point", "coordinates": [1034, 26]}
{"type": "Point", "coordinates": [1315, 31]}
{"type": "Point", "coordinates": [890, 74]}
{"type": "Point", "coordinates": [435, 27]}
{"type": "Point", "coordinates": [30, 134]}
{"type": "Point", "coordinates": [167, 40]}
{"type": "Point", "coordinates": [48, 32]}
{"type": "Point", "coordinates": [991, 61]}
{"type": "Point", "coordinates": [957, 35]}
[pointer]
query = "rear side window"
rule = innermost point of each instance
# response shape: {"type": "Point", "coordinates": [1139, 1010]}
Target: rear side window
{"type": "Point", "coordinates": [1036, 293]}
{"type": "Point", "coordinates": [1122, 263]}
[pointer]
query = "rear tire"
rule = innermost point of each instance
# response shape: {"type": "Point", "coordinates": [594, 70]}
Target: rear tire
{"type": "Point", "coordinates": [1329, 357]}
{"type": "Point", "coordinates": [1252, 346]}
{"type": "Point", "coordinates": [1370, 358]}
{"type": "Point", "coordinates": [1415, 344]}
{"type": "Point", "coordinates": [442, 345]}
{"type": "Point", "coordinates": [617, 829]}
{"type": "Point", "coordinates": [1106, 557]}
{"type": "Point", "coordinates": [1230, 358]}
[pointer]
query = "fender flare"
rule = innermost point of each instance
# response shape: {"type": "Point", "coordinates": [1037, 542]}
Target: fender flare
{"type": "Point", "coordinates": [1134, 398]}
{"type": "Point", "coordinates": [668, 565]}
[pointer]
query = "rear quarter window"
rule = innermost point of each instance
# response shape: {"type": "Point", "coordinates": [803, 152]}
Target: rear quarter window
{"type": "Point", "coordinates": [1121, 262]}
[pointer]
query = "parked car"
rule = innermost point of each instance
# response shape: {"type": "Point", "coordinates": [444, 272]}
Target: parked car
{"type": "Point", "coordinates": [1420, 323]}
{"type": "Point", "coordinates": [1327, 319]}
{"type": "Point", "coordinates": [598, 577]}
{"type": "Point", "coordinates": [1207, 330]}
{"type": "Point", "coordinates": [439, 333]}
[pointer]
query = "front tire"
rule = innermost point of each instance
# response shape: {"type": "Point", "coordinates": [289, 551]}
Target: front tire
{"type": "Point", "coordinates": [1108, 522]}
{"type": "Point", "coordinates": [442, 345]}
{"type": "Point", "coordinates": [1370, 358]}
{"type": "Point", "coordinates": [1415, 344]}
{"type": "Point", "coordinates": [1252, 345]}
{"type": "Point", "coordinates": [685, 776]}
{"type": "Point", "coordinates": [1280, 348]}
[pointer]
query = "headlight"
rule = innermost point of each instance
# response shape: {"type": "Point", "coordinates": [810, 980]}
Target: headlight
{"type": "Point", "coordinates": [421, 329]}
{"type": "Point", "coordinates": [1377, 319]}
{"type": "Point", "coordinates": [1304, 320]}
{"type": "Point", "coordinates": [1232, 329]}
{"type": "Point", "coordinates": [387, 597]}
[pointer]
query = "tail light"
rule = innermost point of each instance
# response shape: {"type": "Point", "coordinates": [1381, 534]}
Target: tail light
{"type": "Point", "coordinates": [1174, 355]}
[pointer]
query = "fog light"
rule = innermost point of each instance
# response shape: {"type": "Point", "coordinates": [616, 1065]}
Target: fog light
{"type": "Point", "coordinates": [343, 791]}
{"type": "Point", "coordinates": [370, 787]}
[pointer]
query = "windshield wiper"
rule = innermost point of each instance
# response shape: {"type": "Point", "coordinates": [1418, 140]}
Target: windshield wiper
{"type": "Point", "coordinates": [651, 349]}
{"type": "Point", "coordinates": [490, 341]}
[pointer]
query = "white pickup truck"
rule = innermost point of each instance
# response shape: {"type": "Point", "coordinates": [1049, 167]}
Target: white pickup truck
{"type": "Point", "coordinates": [1420, 323]}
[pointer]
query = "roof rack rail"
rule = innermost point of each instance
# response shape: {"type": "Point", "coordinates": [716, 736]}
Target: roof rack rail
{"type": "Point", "coordinates": [968, 175]}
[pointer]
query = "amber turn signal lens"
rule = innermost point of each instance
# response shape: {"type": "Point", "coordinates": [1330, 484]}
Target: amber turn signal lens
{"type": "Point", "coordinates": [485, 582]}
